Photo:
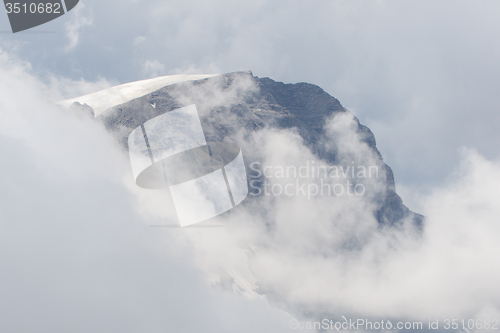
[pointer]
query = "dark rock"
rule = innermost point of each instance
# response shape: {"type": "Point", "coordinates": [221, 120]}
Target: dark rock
{"type": "Point", "coordinates": [232, 102]}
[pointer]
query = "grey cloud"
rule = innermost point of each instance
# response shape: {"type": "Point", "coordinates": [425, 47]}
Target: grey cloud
{"type": "Point", "coordinates": [75, 253]}
{"type": "Point", "coordinates": [329, 255]}
{"type": "Point", "coordinates": [75, 25]}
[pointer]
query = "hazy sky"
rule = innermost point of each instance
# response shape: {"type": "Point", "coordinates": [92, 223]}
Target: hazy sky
{"type": "Point", "coordinates": [423, 75]}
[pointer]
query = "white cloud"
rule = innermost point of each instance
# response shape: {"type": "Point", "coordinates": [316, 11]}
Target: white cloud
{"type": "Point", "coordinates": [75, 255]}
{"type": "Point", "coordinates": [327, 254]}
{"type": "Point", "coordinates": [139, 40]}
{"type": "Point", "coordinates": [153, 68]}
{"type": "Point", "coordinates": [81, 17]}
{"type": "Point", "coordinates": [306, 257]}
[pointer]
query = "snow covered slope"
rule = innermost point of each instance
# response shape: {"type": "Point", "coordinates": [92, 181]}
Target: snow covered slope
{"type": "Point", "coordinates": [104, 99]}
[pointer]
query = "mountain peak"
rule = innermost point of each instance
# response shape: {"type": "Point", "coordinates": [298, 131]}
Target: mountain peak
{"type": "Point", "coordinates": [104, 99]}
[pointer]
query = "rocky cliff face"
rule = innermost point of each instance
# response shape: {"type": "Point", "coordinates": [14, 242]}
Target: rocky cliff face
{"type": "Point", "coordinates": [233, 107]}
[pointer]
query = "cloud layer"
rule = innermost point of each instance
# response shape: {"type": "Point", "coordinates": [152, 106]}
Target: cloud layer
{"type": "Point", "coordinates": [75, 254]}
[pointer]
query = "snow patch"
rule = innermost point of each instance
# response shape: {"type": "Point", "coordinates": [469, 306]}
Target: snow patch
{"type": "Point", "coordinates": [104, 99]}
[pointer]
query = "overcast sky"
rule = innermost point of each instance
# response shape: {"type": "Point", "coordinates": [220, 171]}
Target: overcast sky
{"type": "Point", "coordinates": [423, 75]}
